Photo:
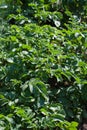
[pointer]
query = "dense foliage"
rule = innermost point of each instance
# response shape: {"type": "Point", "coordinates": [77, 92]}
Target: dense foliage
{"type": "Point", "coordinates": [43, 64]}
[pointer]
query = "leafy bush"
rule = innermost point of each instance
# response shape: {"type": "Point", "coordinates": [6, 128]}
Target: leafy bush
{"type": "Point", "coordinates": [43, 65]}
